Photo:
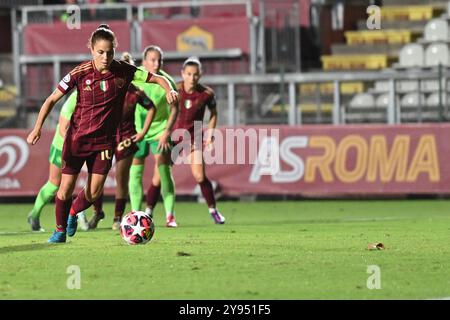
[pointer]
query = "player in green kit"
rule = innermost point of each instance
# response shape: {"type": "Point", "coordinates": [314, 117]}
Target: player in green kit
{"type": "Point", "coordinates": [48, 191]}
{"type": "Point", "coordinates": [157, 140]}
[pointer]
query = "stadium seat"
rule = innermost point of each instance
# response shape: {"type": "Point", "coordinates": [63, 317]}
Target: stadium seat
{"type": "Point", "coordinates": [356, 62]}
{"type": "Point", "coordinates": [382, 100]}
{"type": "Point", "coordinates": [437, 53]}
{"type": "Point", "coordinates": [379, 36]}
{"type": "Point", "coordinates": [381, 86]}
{"type": "Point", "coordinates": [411, 55]}
{"type": "Point", "coordinates": [362, 100]}
{"type": "Point", "coordinates": [407, 85]}
{"type": "Point", "coordinates": [411, 13]}
{"type": "Point", "coordinates": [412, 100]}
{"type": "Point", "coordinates": [437, 30]}
{"type": "Point", "coordinates": [433, 99]}
{"type": "Point", "coordinates": [430, 85]}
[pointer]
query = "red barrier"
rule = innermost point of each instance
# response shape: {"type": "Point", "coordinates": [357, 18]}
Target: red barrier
{"type": "Point", "coordinates": [197, 34]}
{"type": "Point", "coordinates": [43, 39]}
{"type": "Point", "coordinates": [313, 160]}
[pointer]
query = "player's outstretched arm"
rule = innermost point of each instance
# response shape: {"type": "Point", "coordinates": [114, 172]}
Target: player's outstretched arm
{"type": "Point", "coordinates": [35, 134]}
{"type": "Point", "coordinates": [171, 94]}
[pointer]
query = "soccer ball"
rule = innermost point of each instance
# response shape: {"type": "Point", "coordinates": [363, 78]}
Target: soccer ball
{"type": "Point", "coordinates": [137, 228]}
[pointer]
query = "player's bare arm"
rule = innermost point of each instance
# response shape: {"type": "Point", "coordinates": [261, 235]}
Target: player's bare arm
{"type": "Point", "coordinates": [163, 143]}
{"type": "Point", "coordinates": [171, 95]}
{"type": "Point", "coordinates": [212, 119]}
{"type": "Point", "coordinates": [46, 108]}
{"type": "Point", "coordinates": [148, 121]}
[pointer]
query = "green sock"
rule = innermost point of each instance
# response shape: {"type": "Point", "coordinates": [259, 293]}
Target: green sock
{"type": "Point", "coordinates": [135, 186]}
{"type": "Point", "coordinates": [167, 188]}
{"type": "Point", "coordinates": [45, 195]}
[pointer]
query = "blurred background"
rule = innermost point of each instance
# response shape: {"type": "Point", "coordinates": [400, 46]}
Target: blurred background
{"type": "Point", "coordinates": [278, 63]}
{"type": "Point", "coordinates": [297, 61]}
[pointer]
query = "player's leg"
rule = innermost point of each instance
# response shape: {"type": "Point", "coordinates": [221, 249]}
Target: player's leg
{"type": "Point", "coordinates": [153, 192]}
{"type": "Point", "coordinates": [98, 215]}
{"type": "Point", "coordinates": [198, 171]}
{"type": "Point", "coordinates": [167, 187]}
{"type": "Point", "coordinates": [98, 165]}
{"type": "Point", "coordinates": [122, 178]}
{"type": "Point", "coordinates": [63, 202]}
{"type": "Point", "coordinates": [46, 194]}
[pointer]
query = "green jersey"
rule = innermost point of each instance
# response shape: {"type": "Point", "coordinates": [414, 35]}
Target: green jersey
{"type": "Point", "coordinates": [66, 112]}
{"type": "Point", "coordinates": [158, 95]}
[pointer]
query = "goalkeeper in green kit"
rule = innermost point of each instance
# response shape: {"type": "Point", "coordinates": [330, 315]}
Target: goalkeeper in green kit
{"type": "Point", "coordinates": [157, 141]}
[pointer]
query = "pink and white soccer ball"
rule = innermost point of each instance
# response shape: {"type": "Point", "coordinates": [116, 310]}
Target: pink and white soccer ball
{"type": "Point", "coordinates": [137, 228]}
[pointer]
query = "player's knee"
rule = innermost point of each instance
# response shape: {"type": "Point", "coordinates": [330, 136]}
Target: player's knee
{"type": "Point", "coordinates": [199, 177]}
{"type": "Point", "coordinates": [156, 181]}
{"type": "Point", "coordinates": [62, 195]}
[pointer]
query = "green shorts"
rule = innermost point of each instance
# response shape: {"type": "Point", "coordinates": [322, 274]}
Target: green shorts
{"type": "Point", "coordinates": [145, 147]}
{"type": "Point", "coordinates": [55, 156]}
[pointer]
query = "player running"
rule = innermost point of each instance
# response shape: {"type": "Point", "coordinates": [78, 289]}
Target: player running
{"type": "Point", "coordinates": [194, 98]}
{"type": "Point", "coordinates": [127, 147]}
{"type": "Point", "coordinates": [102, 84]}
{"type": "Point", "coordinates": [157, 141]}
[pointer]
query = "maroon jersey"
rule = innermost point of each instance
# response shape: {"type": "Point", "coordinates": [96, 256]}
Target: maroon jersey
{"type": "Point", "coordinates": [134, 96]}
{"type": "Point", "coordinates": [192, 106]}
{"type": "Point", "coordinates": [100, 99]}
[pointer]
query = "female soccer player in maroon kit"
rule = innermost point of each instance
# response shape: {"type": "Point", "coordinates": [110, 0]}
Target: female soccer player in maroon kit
{"type": "Point", "coordinates": [102, 84]}
{"type": "Point", "coordinates": [194, 98]}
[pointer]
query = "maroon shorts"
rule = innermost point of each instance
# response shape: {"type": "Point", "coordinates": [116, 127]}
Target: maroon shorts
{"type": "Point", "coordinates": [98, 162]}
{"type": "Point", "coordinates": [125, 149]}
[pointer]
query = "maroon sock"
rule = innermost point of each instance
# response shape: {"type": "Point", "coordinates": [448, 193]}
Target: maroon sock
{"type": "Point", "coordinates": [120, 208]}
{"type": "Point", "coordinates": [79, 204]}
{"type": "Point", "coordinates": [62, 208]}
{"type": "Point", "coordinates": [98, 204]}
{"type": "Point", "coordinates": [153, 193]}
{"type": "Point", "coordinates": [208, 193]}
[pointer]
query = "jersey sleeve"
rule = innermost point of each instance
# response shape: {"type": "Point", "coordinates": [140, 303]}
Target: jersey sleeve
{"type": "Point", "coordinates": [69, 106]}
{"type": "Point", "coordinates": [144, 100]}
{"type": "Point", "coordinates": [142, 76]}
{"type": "Point", "coordinates": [212, 104]}
{"type": "Point", "coordinates": [68, 82]}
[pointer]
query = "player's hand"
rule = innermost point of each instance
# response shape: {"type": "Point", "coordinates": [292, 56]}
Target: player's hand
{"type": "Point", "coordinates": [34, 136]}
{"type": "Point", "coordinates": [172, 97]}
{"type": "Point", "coordinates": [163, 144]}
{"type": "Point", "coordinates": [137, 137]}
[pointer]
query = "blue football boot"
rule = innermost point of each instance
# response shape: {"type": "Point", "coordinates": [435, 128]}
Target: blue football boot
{"type": "Point", "coordinates": [57, 237]}
{"type": "Point", "coordinates": [72, 224]}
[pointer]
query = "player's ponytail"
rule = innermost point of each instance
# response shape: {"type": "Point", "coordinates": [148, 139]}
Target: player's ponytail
{"type": "Point", "coordinates": [103, 32]}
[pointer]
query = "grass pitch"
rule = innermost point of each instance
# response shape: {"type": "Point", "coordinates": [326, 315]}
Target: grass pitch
{"type": "Point", "coordinates": [266, 250]}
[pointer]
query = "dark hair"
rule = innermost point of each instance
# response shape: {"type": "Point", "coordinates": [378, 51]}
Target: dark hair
{"type": "Point", "coordinates": [193, 61]}
{"type": "Point", "coordinates": [103, 32]}
{"type": "Point", "coordinates": [155, 49]}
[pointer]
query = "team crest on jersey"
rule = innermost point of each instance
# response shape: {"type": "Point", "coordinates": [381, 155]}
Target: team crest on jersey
{"type": "Point", "coordinates": [67, 78]}
{"type": "Point", "coordinates": [187, 104]}
{"type": "Point", "coordinates": [104, 85]}
{"type": "Point", "coordinates": [88, 83]}
{"type": "Point", "coordinates": [119, 82]}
